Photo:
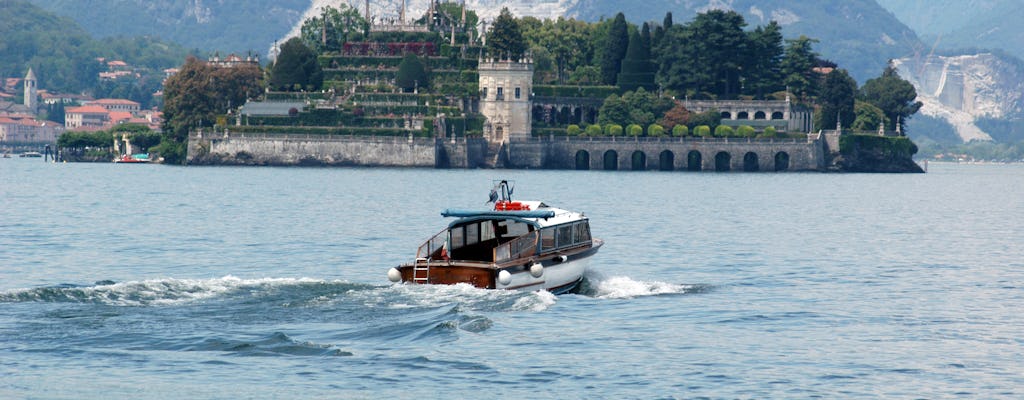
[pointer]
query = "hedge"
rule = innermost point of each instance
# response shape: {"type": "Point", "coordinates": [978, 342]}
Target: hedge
{"type": "Point", "coordinates": [601, 92]}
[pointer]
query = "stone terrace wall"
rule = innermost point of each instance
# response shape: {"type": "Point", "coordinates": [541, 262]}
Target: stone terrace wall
{"type": "Point", "coordinates": [291, 149]}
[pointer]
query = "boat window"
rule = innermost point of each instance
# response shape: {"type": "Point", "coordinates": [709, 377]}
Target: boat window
{"type": "Point", "coordinates": [564, 235]}
{"type": "Point", "coordinates": [582, 232]}
{"type": "Point", "coordinates": [458, 238]}
{"type": "Point", "coordinates": [486, 231]}
{"type": "Point", "coordinates": [547, 239]}
{"type": "Point", "coordinates": [472, 234]}
{"type": "Point", "coordinates": [511, 229]}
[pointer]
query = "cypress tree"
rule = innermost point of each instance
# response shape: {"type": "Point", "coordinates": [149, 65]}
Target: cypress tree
{"type": "Point", "coordinates": [637, 68]}
{"type": "Point", "coordinates": [616, 45]}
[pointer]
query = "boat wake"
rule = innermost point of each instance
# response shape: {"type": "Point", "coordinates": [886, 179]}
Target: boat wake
{"type": "Point", "coordinates": [286, 292]}
{"type": "Point", "coordinates": [164, 292]}
{"type": "Point", "coordinates": [623, 287]}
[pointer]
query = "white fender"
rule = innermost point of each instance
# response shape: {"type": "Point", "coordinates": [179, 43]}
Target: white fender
{"type": "Point", "coordinates": [394, 275]}
{"type": "Point", "coordinates": [504, 277]}
{"type": "Point", "coordinates": [537, 270]}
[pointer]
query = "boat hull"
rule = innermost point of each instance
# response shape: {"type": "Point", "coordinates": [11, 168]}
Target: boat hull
{"type": "Point", "coordinates": [561, 272]}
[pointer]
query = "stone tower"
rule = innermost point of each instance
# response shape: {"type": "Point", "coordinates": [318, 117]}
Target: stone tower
{"type": "Point", "coordinates": [505, 98]}
{"type": "Point", "coordinates": [31, 91]}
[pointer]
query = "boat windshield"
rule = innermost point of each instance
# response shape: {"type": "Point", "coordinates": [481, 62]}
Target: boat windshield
{"type": "Point", "coordinates": [475, 240]}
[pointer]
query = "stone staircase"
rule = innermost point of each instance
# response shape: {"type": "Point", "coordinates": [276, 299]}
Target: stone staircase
{"type": "Point", "coordinates": [494, 152]}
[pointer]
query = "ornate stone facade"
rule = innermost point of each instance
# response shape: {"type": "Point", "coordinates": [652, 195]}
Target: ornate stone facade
{"type": "Point", "coordinates": [506, 89]}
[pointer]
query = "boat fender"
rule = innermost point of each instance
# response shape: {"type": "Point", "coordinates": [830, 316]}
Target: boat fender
{"type": "Point", "coordinates": [561, 259]}
{"type": "Point", "coordinates": [504, 277]}
{"type": "Point", "coordinates": [394, 275]}
{"type": "Point", "coordinates": [537, 270]}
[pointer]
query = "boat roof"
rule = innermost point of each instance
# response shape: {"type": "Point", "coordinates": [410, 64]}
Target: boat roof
{"type": "Point", "coordinates": [539, 214]}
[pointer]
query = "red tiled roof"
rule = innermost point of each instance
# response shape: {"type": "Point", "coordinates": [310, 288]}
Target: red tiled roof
{"type": "Point", "coordinates": [112, 102]}
{"type": "Point", "coordinates": [116, 116]}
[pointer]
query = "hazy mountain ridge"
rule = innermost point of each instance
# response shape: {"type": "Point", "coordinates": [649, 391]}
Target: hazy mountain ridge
{"type": "Point", "coordinates": [208, 25]}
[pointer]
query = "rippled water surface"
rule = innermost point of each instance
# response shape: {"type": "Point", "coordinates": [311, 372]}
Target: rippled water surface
{"type": "Point", "coordinates": [148, 281]}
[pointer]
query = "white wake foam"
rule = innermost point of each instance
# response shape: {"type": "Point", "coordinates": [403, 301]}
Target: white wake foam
{"type": "Point", "coordinates": [624, 287]}
{"type": "Point", "coordinates": [163, 291]}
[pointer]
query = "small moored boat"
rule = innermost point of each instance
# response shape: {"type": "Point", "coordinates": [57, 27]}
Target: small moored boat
{"type": "Point", "coordinates": [133, 159]}
{"type": "Point", "coordinates": [525, 245]}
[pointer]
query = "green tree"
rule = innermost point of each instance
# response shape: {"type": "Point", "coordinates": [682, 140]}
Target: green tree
{"type": "Point", "coordinates": [637, 70]}
{"type": "Point", "coordinates": [613, 129]}
{"type": "Point", "coordinates": [594, 130]}
{"type": "Point", "coordinates": [573, 130]}
{"type": "Point", "coordinates": [655, 130]}
{"type": "Point", "coordinates": [296, 68]}
{"type": "Point", "coordinates": [894, 96]}
{"type": "Point", "coordinates": [613, 111]}
{"type": "Point", "coordinates": [711, 118]}
{"type": "Point", "coordinates": [140, 135]}
{"type": "Point", "coordinates": [837, 97]}
{"type": "Point", "coordinates": [680, 130]}
{"type": "Point", "coordinates": [708, 54]}
{"type": "Point", "coordinates": [333, 27]}
{"type": "Point", "coordinates": [505, 38]}
{"type": "Point", "coordinates": [196, 95]}
{"type": "Point", "coordinates": [702, 130]}
{"type": "Point", "coordinates": [797, 67]}
{"type": "Point", "coordinates": [723, 131]}
{"type": "Point", "coordinates": [412, 73]}
{"type": "Point", "coordinates": [586, 75]}
{"type": "Point", "coordinates": [615, 46]}
{"type": "Point", "coordinates": [634, 130]}
{"type": "Point", "coordinates": [745, 131]}
{"type": "Point", "coordinates": [763, 74]}
{"type": "Point", "coordinates": [868, 117]}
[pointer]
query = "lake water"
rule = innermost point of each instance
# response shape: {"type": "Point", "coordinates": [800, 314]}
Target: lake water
{"type": "Point", "coordinates": [149, 281]}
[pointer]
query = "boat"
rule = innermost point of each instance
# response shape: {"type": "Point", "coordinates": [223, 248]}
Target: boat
{"type": "Point", "coordinates": [31, 154]}
{"type": "Point", "coordinates": [516, 245]}
{"type": "Point", "coordinates": [133, 158]}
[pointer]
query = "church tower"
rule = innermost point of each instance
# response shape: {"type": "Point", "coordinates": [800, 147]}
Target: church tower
{"type": "Point", "coordinates": [31, 91]}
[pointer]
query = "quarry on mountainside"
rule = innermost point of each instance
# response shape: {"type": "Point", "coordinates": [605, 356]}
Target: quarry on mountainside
{"type": "Point", "coordinates": [961, 89]}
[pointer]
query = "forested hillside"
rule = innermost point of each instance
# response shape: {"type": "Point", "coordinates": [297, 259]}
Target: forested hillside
{"type": "Point", "coordinates": [225, 26]}
{"type": "Point", "coordinates": [65, 57]}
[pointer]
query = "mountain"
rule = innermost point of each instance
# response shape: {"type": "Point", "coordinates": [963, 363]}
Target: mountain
{"type": "Point", "coordinates": [209, 25]}
{"type": "Point", "coordinates": [961, 24]}
{"type": "Point", "coordinates": [859, 35]}
{"type": "Point", "coordinates": [66, 59]}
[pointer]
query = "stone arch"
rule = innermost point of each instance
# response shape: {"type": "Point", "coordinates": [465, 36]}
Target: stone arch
{"type": "Point", "coordinates": [781, 161]}
{"type": "Point", "coordinates": [759, 115]}
{"type": "Point", "coordinates": [666, 160]}
{"type": "Point", "coordinates": [777, 115]}
{"type": "Point", "coordinates": [590, 115]}
{"type": "Point", "coordinates": [611, 160]}
{"type": "Point", "coordinates": [742, 115]}
{"type": "Point", "coordinates": [694, 161]}
{"type": "Point", "coordinates": [540, 113]}
{"type": "Point", "coordinates": [750, 162]}
{"type": "Point", "coordinates": [582, 160]}
{"type": "Point", "coordinates": [564, 115]}
{"type": "Point", "coordinates": [638, 161]}
{"type": "Point", "coordinates": [726, 115]}
{"type": "Point", "coordinates": [722, 161]}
